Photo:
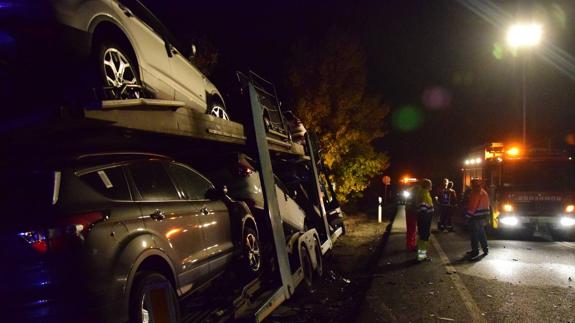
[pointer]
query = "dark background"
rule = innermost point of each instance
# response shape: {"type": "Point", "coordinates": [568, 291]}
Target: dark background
{"type": "Point", "coordinates": [411, 46]}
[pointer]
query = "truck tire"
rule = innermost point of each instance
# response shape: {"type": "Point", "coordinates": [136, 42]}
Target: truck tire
{"type": "Point", "coordinates": [153, 299]}
{"type": "Point", "coordinates": [307, 267]}
{"type": "Point", "coordinates": [319, 259]}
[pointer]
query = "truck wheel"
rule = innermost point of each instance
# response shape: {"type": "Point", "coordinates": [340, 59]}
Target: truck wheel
{"type": "Point", "coordinates": [319, 260]}
{"type": "Point", "coordinates": [251, 251]}
{"type": "Point", "coordinates": [153, 299]}
{"type": "Point", "coordinates": [307, 267]}
{"type": "Point", "coordinates": [119, 71]}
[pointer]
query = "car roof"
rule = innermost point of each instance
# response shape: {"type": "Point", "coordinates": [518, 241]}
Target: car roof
{"type": "Point", "coordinates": [83, 161]}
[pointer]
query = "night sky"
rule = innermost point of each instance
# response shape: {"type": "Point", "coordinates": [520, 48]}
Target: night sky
{"type": "Point", "coordinates": [440, 50]}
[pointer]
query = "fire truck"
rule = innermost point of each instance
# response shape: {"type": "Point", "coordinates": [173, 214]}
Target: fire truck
{"type": "Point", "coordinates": [531, 190]}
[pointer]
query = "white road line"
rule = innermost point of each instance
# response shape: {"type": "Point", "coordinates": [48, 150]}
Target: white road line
{"type": "Point", "coordinates": [570, 245]}
{"type": "Point", "coordinates": [466, 297]}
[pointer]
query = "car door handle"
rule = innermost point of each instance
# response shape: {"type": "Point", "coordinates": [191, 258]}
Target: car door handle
{"type": "Point", "coordinates": [158, 215]}
{"type": "Point", "coordinates": [204, 211]}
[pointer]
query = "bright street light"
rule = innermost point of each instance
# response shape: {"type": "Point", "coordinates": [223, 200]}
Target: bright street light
{"type": "Point", "coordinates": [524, 35]}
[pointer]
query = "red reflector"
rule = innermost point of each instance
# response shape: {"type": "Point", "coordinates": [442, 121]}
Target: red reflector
{"type": "Point", "coordinates": [69, 230]}
{"type": "Point", "coordinates": [245, 171]}
{"type": "Point", "coordinates": [40, 246]}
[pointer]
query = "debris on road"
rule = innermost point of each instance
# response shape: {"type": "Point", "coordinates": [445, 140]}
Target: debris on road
{"type": "Point", "coordinates": [489, 296]}
{"type": "Point", "coordinates": [514, 259]}
{"type": "Point", "coordinates": [445, 319]}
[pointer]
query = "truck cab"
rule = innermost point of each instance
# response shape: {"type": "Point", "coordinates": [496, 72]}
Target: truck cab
{"type": "Point", "coordinates": [531, 190]}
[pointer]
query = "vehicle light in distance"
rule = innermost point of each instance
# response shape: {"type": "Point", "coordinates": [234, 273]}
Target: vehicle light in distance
{"type": "Point", "coordinates": [570, 208]}
{"type": "Point", "coordinates": [509, 220]}
{"type": "Point", "coordinates": [567, 221]}
{"type": "Point", "coordinates": [406, 194]}
{"type": "Point", "coordinates": [513, 152]}
{"type": "Point", "coordinates": [507, 207]}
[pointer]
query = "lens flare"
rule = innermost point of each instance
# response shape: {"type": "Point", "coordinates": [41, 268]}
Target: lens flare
{"type": "Point", "coordinates": [407, 118]}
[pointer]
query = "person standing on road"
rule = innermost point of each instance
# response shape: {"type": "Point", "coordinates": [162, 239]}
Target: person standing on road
{"type": "Point", "coordinates": [477, 210]}
{"type": "Point", "coordinates": [425, 211]}
{"type": "Point", "coordinates": [411, 217]}
{"type": "Point", "coordinates": [447, 202]}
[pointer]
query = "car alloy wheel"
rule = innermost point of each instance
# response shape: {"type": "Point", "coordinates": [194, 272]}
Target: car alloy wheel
{"type": "Point", "coordinates": [252, 250]}
{"type": "Point", "coordinates": [120, 75]}
{"type": "Point", "coordinates": [218, 111]}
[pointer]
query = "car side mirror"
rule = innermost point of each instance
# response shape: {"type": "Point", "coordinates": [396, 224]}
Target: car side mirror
{"type": "Point", "coordinates": [216, 193]}
{"type": "Point", "coordinates": [169, 48]}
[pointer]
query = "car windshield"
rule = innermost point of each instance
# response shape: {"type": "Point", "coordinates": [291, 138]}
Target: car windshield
{"type": "Point", "coordinates": [539, 176]}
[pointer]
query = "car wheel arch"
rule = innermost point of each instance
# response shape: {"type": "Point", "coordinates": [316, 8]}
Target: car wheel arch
{"type": "Point", "coordinates": [151, 260]}
{"type": "Point", "coordinates": [106, 25]}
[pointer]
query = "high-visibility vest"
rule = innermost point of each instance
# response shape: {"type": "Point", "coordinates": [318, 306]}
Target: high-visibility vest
{"type": "Point", "coordinates": [424, 202]}
{"type": "Point", "coordinates": [447, 197]}
{"type": "Point", "coordinates": [478, 205]}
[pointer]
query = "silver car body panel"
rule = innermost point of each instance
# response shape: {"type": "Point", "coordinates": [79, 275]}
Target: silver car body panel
{"type": "Point", "coordinates": [169, 78]}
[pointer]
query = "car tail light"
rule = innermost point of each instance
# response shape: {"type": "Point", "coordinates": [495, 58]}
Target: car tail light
{"type": "Point", "coordinates": [67, 232]}
{"type": "Point", "coordinates": [244, 170]}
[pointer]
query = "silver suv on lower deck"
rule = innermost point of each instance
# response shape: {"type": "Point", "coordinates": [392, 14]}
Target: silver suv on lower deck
{"type": "Point", "coordinates": [124, 233]}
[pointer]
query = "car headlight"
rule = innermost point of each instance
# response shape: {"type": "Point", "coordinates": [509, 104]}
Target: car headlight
{"type": "Point", "coordinates": [567, 221]}
{"type": "Point", "coordinates": [570, 208]}
{"type": "Point", "coordinates": [507, 207]}
{"type": "Point", "coordinates": [509, 220]}
{"type": "Point", "coordinates": [406, 194]}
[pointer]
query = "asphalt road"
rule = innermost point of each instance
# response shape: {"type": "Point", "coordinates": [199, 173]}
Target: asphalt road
{"type": "Point", "coordinates": [519, 281]}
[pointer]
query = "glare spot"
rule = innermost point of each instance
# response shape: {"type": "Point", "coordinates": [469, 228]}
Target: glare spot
{"type": "Point", "coordinates": [497, 51]}
{"type": "Point", "coordinates": [502, 267]}
{"type": "Point", "coordinates": [407, 118]}
{"type": "Point", "coordinates": [559, 14]}
{"type": "Point", "coordinates": [436, 97]}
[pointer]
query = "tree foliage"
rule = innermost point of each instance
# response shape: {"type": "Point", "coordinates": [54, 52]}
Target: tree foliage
{"type": "Point", "coordinates": [329, 81]}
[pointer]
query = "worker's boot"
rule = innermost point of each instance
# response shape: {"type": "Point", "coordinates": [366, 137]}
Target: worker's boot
{"type": "Point", "coordinates": [421, 250]}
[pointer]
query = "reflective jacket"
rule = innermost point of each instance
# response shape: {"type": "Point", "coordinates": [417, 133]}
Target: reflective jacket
{"type": "Point", "coordinates": [447, 197]}
{"type": "Point", "coordinates": [478, 205]}
{"type": "Point", "coordinates": [424, 202]}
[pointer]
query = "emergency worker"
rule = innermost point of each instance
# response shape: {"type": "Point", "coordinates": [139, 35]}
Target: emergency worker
{"type": "Point", "coordinates": [425, 211]}
{"type": "Point", "coordinates": [477, 210]}
{"type": "Point", "coordinates": [411, 218]}
{"type": "Point", "coordinates": [447, 202]}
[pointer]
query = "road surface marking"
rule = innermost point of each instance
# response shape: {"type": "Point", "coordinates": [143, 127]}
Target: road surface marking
{"type": "Point", "coordinates": [468, 300]}
{"type": "Point", "coordinates": [567, 244]}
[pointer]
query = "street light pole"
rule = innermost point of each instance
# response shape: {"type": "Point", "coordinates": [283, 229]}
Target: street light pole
{"type": "Point", "coordinates": [524, 104]}
{"type": "Point", "coordinates": [524, 36]}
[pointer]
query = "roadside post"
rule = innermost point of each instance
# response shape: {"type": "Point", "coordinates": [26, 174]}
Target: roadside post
{"type": "Point", "coordinates": [386, 182]}
{"type": "Point", "coordinates": [379, 211]}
